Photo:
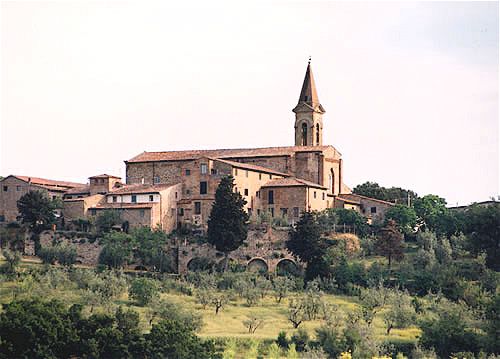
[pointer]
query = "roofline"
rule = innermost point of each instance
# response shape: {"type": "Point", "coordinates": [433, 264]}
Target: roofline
{"type": "Point", "coordinates": [369, 198]}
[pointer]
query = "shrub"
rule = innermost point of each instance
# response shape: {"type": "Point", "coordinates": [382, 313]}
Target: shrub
{"type": "Point", "coordinates": [142, 290]}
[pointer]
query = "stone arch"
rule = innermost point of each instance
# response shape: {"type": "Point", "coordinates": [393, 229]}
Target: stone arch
{"type": "Point", "coordinates": [287, 266]}
{"type": "Point", "coordinates": [257, 264]}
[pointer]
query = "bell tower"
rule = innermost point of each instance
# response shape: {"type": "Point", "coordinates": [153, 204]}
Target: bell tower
{"type": "Point", "coordinates": [308, 114]}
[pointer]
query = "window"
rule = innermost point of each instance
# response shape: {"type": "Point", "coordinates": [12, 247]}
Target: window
{"type": "Point", "coordinates": [175, 195]}
{"type": "Point", "coordinates": [188, 172]}
{"type": "Point", "coordinates": [295, 212]}
{"type": "Point", "coordinates": [188, 191]}
{"type": "Point", "coordinates": [156, 179]}
{"type": "Point", "coordinates": [314, 194]}
{"type": "Point", "coordinates": [257, 194]}
{"type": "Point", "coordinates": [270, 197]}
{"type": "Point", "coordinates": [270, 176]}
{"type": "Point", "coordinates": [246, 173]}
{"type": "Point", "coordinates": [249, 212]}
{"type": "Point", "coordinates": [260, 176]}
{"type": "Point", "coordinates": [197, 207]}
{"type": "Point", "coordinates": [246, 191]}
{"type": "Point", "coordinates": [258, 212]}
{"type": "Point", "coordinates": [141, 212]}
{"type": "Point", "coordinates": [272, 211]}
{"type": "Point", "coordinates": [317, 133]}
{"type": "Point", "coordinates": [373, 210]}
{"type": "Point", "coordinates": [304, 134]}
{"type": "Point", "coordinates": [18, 188]}
{"type": "Point", "coordinates": [180, 211]}
{"type": "Point", "coordinates": [5, 188]}
{"type": "Point", "coordinates": [203, 168]}
{"type": "Point", "coordinates": [80, 197]}
{"type": "Point", "coordinates": [284, 212]}
{"type": "Point", "coordinates": [114, 198]}
{"type": "Point", "coordinates": [331, 180]}
{"type": "Point", "coordinates": [134, 198]}
{"type": "Point", "coordinates": [54, 197]}
{"type": "Point", "coordinates": [235, 171]}
{"type": "Point", "coordinates": [203, 187]}
{"type": "Point", "coordinates": [151, 198]}
{"type": "Point", "coordinates": [235, 189]}
{"type": "Point", "coordinates": [213, 171]}
{"type": "Point", "coordinates": [323, 194]}
{"type": "Point", "coordinates": [69, 197]}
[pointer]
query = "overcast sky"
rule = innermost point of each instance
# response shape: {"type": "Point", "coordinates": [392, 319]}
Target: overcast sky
{"type": "Point", "coordinates": [410, 89]}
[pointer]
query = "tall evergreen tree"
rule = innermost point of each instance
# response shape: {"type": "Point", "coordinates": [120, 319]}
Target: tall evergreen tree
{"type": "Point", "coordinates": [36, 210]}
{"type": "Point", "coordinates": [390, 242]}
{"type": "Point", "coordinates": [228, 222]}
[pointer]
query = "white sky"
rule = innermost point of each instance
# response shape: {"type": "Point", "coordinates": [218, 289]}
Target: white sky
{"type": "Point", "coordinates": [410, 89]}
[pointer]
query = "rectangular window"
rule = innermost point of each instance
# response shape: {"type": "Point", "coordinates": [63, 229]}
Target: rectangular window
{"type": "Point", "coordinates": [246, 173]}
{"type": "Point", "coordinates": [295, 212]}
{"type": "Point", "coordinates": [18, 188]}
{"type": "Point", "coordinates": [258, 212]}
{"type": "Point", "coordinates": [180, 211]}
{"type": "Point", "coordinates": [323, 196]}
{"type": "Point", "coordinates": [203, 187]}
{"type": "Point", "coordinates": [272, 211]}
{"type": "Point", "coordinates": [257, 194]}
{"type": "Point", "coordinates": [246, 192]}
{"type": "Point", "coordinates": [314, 194]}
{"type": "Point", "coordinates": [213, 171]}
{"type": "Point", "coordinates": [69, 197]}
{"type": "Point", "coordinates": [175, 195]}
{"type": "Point", "coordinates": [260, 176]}
{"type": "Point", "coordinates": [151, 198]}
{"type": "Point", "coordinates": [156, 179]}
{"type": "Point", "coordinates": [270, 197]}
{"type": "Point", "coordinates": [134, 198]}
{"type": "Point", "coordinates": [284, 212]}
{"type": "Point", "coordinates": [188, 172]}
{"type": "Point", "coordinates": [80, 197]}
{"type": "Point", "coordinates": [197, 207]}
{"type": "Point", "coordinates": [373, 210]}
{"type": "Point", "coordinates": [249, 212]}
{"type": "Point", "coordinates": [203, 168]}
{"type": "Point", "coordinates": [114, 199]}
{"type": "Point", "coordinates": [270, 176]}
{"type": "Point", "coordinates": [235, 171]}
{"type": "Point", "coordinates": [141, 212]}
{"type": "Point", "coordinates": [5, 188]}
{"type": "Point", "coordinates": [188, 191]}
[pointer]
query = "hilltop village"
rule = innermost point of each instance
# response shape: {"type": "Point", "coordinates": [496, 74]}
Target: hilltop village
{"type": "Point", "coordinates": [175, 189]}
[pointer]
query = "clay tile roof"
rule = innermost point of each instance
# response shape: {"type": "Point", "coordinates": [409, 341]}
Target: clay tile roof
{"type": "Point", "coordinates": [353, 196]}
{"type": "Point", "coordinates": [139, 188]}
{"type": "Point", "coordinates": [123, 205]}
{"type": "Point", "coordinates": [251, 167]}
{"type": "Point", "coordinates": [105, 176]}
{"type": "Point", "coordinates": [49, 182]}
{"type": "Point", "coordinates": [79, 190]}
{"type": "Point", "coordinates": [292, 182]}
{"type": "Point", "coordinates": [224, 153]}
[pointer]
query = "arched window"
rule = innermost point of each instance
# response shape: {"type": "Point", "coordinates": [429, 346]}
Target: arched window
{"type": "Point", "coordinates": [331, 180]}
{"type": "Point", "coordinates": [304, 134]}
{"type": "Point", "coordinates": [317, 133]}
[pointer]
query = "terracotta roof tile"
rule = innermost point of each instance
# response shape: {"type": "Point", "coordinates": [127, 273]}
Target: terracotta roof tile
{"type": "Point", "coordinates": [224, 153]}
{"type": "Point", "coordinates": [49, 182]}
{"type": "Point", "coordinates": [352, 196]}
{"type": "Point", "coordinates": [140, 188]}
{"type": "Point", "coordinates": [251, 167]}
{"type": "Point", "coordinates": [292, 182]}
{"type": "Point", "coordinates": [79, 190]}
{"type": "Point", "coordinates": [105, 176]}
{"type": "Point", "coordinates": [123, 205]}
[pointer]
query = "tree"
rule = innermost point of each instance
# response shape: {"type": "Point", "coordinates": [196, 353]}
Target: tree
{"type": "Point", "coordinates": [142, 290]}
{"type": "Point", "coordinates": [306, 243]}
{"type": "Point", "coordinates": [228, 222]}
{"type": "Point", "coordinates": [253, 323]}
{"type": "Point", "coordinates": [281, 286]}
{"type": "Point", "coordinates": [36, 210]}
{"type": "Point", "coordinates": [392, 194]}
{"type": "Point", "coordinates": [12, 260]}
{"type": "Point", "coordinates": [390, 242]}
{"type": "Point", "coordinates": [401, 314]}
{"type": "Point", "coordinates": [150, 248]}
{"type": "Point", "coordinates": [117, 249]}
{"type": "Point", "coordinates": [404, 216]}
{"type": "Point", "coordinates": [296, 312]}
{"type": "Point", "coordinates": [429, 209]}
{"type": "Point", "coordinates": [107, 219]}
{"type": "Point", "coordinates": [350, 217]}
{"type": "Point", "coordinates": [166, 309]}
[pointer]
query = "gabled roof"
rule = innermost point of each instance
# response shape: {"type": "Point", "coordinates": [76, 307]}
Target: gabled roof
{"type": "Point", "coordinates": [251, 167]}
{"type": "Point", "coordinates": [225, 153]}
{"type": "Point", "coordinates": [139, 188]}
{"type": "Point", "coordinates": [105, 176]}
{"type": "Point", "coordinates": [79, 190]}
{"type": "Point", "coordinates": [291, 182]}
{"type": "Point", "coordinates": [47, 183]}
{"type": "Point", "coordinates": [123, 205]}
{"type": "Point", "coordinates": [352, 196]}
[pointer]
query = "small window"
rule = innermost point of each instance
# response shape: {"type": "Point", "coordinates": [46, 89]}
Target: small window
{"type": "Point", "coordinates": [175, 195]}
{"type": "Point", "coordinates": [203, 168]}
{"type": "Point", "coordinates": [272, 211]}
{"type": "Point", "coordinates": [134, 198]}
{"type": "Point", "coordinates": [203, 187]}
{"type": "Point", "coordinates": [257, 194]}
{"type": "Point", "coordinates": [188, 172]}
{"type": "Point", "coordinates": [246, 173]}
{"type": "Point", "coordinates": [5, 188]}
{"type": "Point", "coordinates": [284, 212]}
{"type": "Point", "coordinates": [197, 207]}
{"type": "Point", "coordinates": [270, 176]}
{"type": "Point", "coordinates": [156, 179]}
{"type": "Point", "coordinates": [258, 212]}
{"type": "Point", "coordinates": [373, 210]}
{"type": "Point", "coordinates": [249, 212]}
{"type": "Point", "coordinates": [69, 197]}
{"type": "Point", "coordinates": [295, 212]}
{"type": "Point", "coordinates": [323, 194]}
{"type": "Point", "coordinates": [54, 197]}
{"type": "Point", "coordinates": [114, 199]}
{"type": "Point", "coordinates": [80, 197]}
{"type": "Point", "coordinates": [213, 171]}
{"type": "Point", "coordinates": [260, 176]}
{"type": "Point", "coordinates": [270, 197]}
{"type": "Point", "coordinates": [314, 194]}
{"type": "Point", "coordinates": [235, 171]}
{"type": "Point", "coordinates": [180, 211]}
{"type": "Point", "coordinates": [141, 212]}
{"type": "Point", "coordinates": [151, 198]}
{"type": "Point", "coordinates": [246, 191]}
{"type": "Point", "coordinates": [18, 188]}
{"type": "Point", "coordinates": [188, 191]}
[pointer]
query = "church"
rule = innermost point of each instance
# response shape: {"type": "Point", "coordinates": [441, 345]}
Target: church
{"type": "Point", "coordinates": [176, 189]}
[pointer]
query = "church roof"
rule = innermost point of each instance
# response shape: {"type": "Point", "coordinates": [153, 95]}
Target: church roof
{"type": "Point", "coordinates": [251, 167]}
{"type": "Point", "coordinates": [308, 94]}
{"type": "Point", "coordinates": [225, 153]}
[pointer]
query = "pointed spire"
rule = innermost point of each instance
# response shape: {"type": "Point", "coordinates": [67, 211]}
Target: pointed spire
{"type": "Point", "coordinates": [308, 94]}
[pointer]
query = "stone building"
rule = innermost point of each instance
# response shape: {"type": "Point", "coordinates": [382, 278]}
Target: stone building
{"type": "Point", "coordinates": [13, 187]}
